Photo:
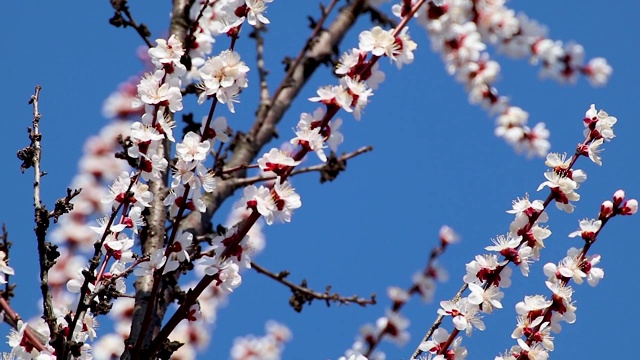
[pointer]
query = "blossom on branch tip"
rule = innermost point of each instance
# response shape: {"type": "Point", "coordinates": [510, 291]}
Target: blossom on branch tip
{"type": "Point", "coordinates": [20, 345]}
{"type": "Point", "coordinates": [359, 92]}
{"type": "Point", "coordinates": [630, 207]}
{"type": "Point", "coordinates": [598, 71]}
{"type": "Point", "coordinates": [118, 247]}
{"type": "Point", "coordinates": [448, 235]}
{"type": "Point", "coordinates": [167, 54]}
{"type": "Point", "coordinates": [532, 306]}
{"type": "Point", "coordinates": [526, 327]}
{"type": "Point", "coordinates": [599, 124]}
{"type": "Point", "coordinates": [312, 140]}
{"type": "Point", "coordinates": [181, 246]}
{"type": "Point", "coordinates": [575, 266]}
{"type": "Point", "coordinates": [533, 352]}
{"type": "Point", "coordinates": [102, 226]}
{"type": "Point", "coordinates": [163, 124]}
{"type": "Point", "coordinates": [562, 303]}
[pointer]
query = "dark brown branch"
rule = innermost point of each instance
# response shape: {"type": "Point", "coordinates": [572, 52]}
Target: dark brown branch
{"type": "Point", "coordinates": [47, 253]}
{"type": "Point", "coordinates": [302, 294]}
{"type": "Point", "coordinates": [121, 7]}
{"type": "Point", "coordinates": [154, 236]}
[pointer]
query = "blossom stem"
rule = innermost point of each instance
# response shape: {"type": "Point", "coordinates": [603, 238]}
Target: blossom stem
{"type": "Point", "coordinates": [15, 318]}
{"type": "Point", "coordinates": [436, 252]}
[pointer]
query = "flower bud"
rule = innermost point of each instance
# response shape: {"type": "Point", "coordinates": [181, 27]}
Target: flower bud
{"type": "Point", "coordinates": [630, 207]}
{"type": "Point", "coordinates": [618, 198]}
{"type": "Point", "coordinates": [606, 209]}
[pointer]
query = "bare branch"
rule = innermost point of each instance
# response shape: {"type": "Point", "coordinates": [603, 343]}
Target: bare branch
{"type": "Point", "coordinates": [121, 7]}
{"type": "Point", "coordinates": [302, 294]}
{"type": "Point", "coordinates": [47, 252]}
{"type": "Point", "coordinates": [329, 169]}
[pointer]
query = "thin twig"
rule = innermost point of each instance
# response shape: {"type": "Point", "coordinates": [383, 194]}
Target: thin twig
{"type": "Point", "coordinates": [428, 272]}
{"type": "Point", "coordinates": [302, 294]}
{"type": "Point", "coordinates": [41, 214]}
{"type": "Point", "coordinates": [319, 167]}
{"type": "Point", "coordinates": [121, 7]}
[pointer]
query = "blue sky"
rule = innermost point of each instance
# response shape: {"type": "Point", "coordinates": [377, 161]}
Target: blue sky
{"type": "Point", "coordinates": [436, 161]}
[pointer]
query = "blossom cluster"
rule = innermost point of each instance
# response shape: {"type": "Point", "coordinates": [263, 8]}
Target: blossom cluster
{"type": "Point", "coordinates": [538, 316]}
{"type": "Point", "coordinates": [459, 30]}
{"type": "Point", "coordinates": [462, 29]}
{"type": "Point", "coordinates": [215, 18]}
{"type": "Point", "coordinates": [489, 273]}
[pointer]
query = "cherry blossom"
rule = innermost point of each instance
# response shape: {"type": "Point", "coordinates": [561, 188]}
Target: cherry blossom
{"type": "Point", "coordinates": [588, 229]}
{"type": "Point", "coordinates": [167, 53]}
{"type": "Point", "coordinates": [192, 149]}
{"type": "Point", "coordinates": [465, 315]}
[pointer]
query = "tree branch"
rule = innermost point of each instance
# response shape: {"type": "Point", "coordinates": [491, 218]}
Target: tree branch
{"type": "Point", "coordinates": [302, 294]}
{"type": "Point", "coordinates": [329, 169]}
{"type": "Point", "coordinates": [320, 48]}
{"type": "Point", "coordinates": [120, 6]}
{"type": "Point", "coordinates": [46, 252]}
